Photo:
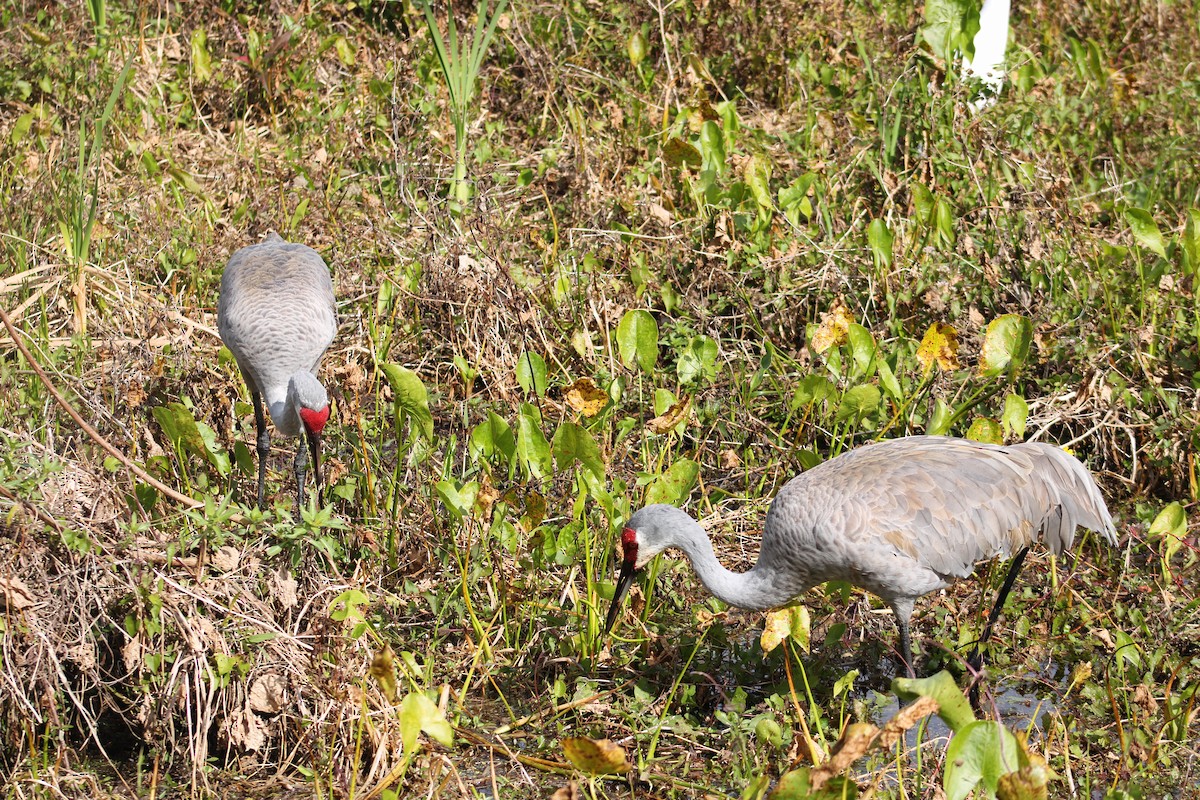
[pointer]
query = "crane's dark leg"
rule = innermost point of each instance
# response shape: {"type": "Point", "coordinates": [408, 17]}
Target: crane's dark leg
{"type": "Point", "coordinates": [263, 445]}
{"type": "Point", "coordinates": [301, 472]}
{"type": "Point", "coordinates": [906, 647]}
{"type": "Point", "coordinates": [975, 660]}
{"type": "Point", "coordinates": [902, 608]}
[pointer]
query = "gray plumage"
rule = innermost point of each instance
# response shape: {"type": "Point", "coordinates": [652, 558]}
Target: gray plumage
{"type": "Point", "coordinates": [277, 315]}
{"type": "Point", "coordinates": [899, 518]}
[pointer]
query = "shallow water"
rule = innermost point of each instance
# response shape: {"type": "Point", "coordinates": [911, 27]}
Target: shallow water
{"type": "Point", "coordinates": [1020, 702]}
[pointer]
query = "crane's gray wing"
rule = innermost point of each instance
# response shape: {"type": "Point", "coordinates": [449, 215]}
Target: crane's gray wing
{"type": "Point", "coordinates": [948, 503]}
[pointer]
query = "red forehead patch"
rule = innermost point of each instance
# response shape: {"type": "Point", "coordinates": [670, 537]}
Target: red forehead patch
{"type": "Point", "coordinates": [314, 420]}
{"type": "Point", "coordinates": [629, 545]}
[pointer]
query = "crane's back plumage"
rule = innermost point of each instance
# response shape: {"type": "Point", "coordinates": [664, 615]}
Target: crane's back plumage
{"type": "Point", "coordinates": [905, 517]}
{"type": "Point", "coordinates": [277, 315]}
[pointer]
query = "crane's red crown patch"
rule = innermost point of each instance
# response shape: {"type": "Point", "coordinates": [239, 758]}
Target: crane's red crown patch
{"type": "Point", "coordinates": [629, 545]}
{"type": "Point", "coordinates": [314, 420]}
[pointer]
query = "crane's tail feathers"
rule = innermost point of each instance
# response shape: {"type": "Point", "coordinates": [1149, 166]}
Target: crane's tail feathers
{"type": "Point", "coordinates": [1075, 500]}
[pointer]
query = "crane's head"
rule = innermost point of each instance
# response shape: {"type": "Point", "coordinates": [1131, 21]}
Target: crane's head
{"type": "Point", "coordinates": [629, 568]}
{"type": "Point", "coordinates": [311, 401]}
{"type": "Point", "coordinates": [646, 534]}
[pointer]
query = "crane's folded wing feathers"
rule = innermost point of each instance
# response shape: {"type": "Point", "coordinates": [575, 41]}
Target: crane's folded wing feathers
{"type": "Point", "coordinates": [949, 503]}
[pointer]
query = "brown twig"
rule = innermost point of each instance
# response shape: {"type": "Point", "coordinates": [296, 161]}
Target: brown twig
{"type": "Point", "coordinates": [88, 429]}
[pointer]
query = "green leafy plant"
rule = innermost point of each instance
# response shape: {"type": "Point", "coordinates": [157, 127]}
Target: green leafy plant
{"type": "Point", "coordinates": [460, 59]}
{"type": "Point", "coordinates": [80, 219]}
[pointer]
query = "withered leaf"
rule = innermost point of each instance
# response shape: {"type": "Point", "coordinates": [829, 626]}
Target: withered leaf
{"type": "Point", "coordinates": [939, 346]}
{"type": "Point", "coordinates": [585, 397]}
{"type": "Point", "coordinates": [671, 417]}
{"type": "Point", "coordinates": [595, 756]}
{"type": "Point", "coordinates": [834, 327]}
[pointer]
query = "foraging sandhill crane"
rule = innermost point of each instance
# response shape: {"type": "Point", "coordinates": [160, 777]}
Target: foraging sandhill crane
{"type": "Point", "coordinates": [277, 316]}
{"type": "Point", "coordinates": [899, 518]}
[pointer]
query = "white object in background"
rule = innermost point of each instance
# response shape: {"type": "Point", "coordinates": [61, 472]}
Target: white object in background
{"type": "Point", "coordinates": [990, 44]}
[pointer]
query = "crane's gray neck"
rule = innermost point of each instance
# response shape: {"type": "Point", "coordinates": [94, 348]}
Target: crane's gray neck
{"type": "Point", "coordinates": [761, 588]}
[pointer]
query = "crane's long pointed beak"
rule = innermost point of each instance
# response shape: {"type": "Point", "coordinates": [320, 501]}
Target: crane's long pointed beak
{"type": "Point", "coordinates": [314, 449]}
{"type": "Point", "coordinates": [628, 570]}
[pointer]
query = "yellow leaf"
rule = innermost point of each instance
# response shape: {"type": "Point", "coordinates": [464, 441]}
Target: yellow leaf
{"type": "Point", "coordinates": [783, 623]}
{"type": "Point", "coordinates": [383, 670]}
{"type": "Point", "coordinates": [777, 628]}
{"type": "Point", "coordinates": [939, 346]}
{"type": "Point", "coordinates": [1081, 674]}
{"type": "Point", "coordinates": [586, 397]}
{"type": "Point", "coordinates": [671, 417]}
{"type": "Point", "coordinates": [834, 327]}
{"type": "Point", "coordinates": [595, 756]}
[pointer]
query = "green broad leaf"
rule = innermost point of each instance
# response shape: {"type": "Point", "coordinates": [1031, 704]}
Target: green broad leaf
{"type": "Point", "coordinates": [674, 485]}
{"type": "Point", "coordinates": [859, 402]}
{"type": "Point", "coordinates": [185, 180]}
{"type": "Point", "coordinates": [800, 628]}
{"type": "Point", "coordinates": [887, 379]}
{"type": "Point", "coordinates": [637, 339]}
{"type": "Point", "coordinates": [977, 757]}
{"type": "Point", "coordinates": [1016, 414]}
{"type": "Point", "coordinates": [813, 390]}
{"type": "Point", "coordinates": [493, 437]}
{"type": "Point", "coordinates": [923, 203]}
{"type": "Point", "coordinates": [953, 708]}
{"type": "Point", "coordinates": [533, 451]}
{"type": "Point", "coordinates": [201, 60]}
{"type": "Point", "coordinates": [862, 351]}
{"type": "Point", "coordinates": [637, 47]}
{"type": "Point", "coordinates": [663, 400]}
{"type": "Point", "coordinates": [573, 443]}
{"type": "Point", "coordinates": [698, 360]}
{"type": "Point", "coordinates": [189, 436]}
{"type": "Point", "coordinates": [1005, 345]}
{"type": "Point", "coordinates": [459, 500]}
{"type": "Point", "coordinates": [1191, 241]}
{"type": "Point", "coordinates": [940, 419]}
{"type": "Point", "coordinates": [531, 373]}
{"type": "Point", "coordinates": [420, 714]}
{"type": "Point", "coordinates": [951, 25]}
{"type": "Point", "coordinates": [944, 221]}
{"type": "Point", "coordinates": [215, 454]}
{"type": "Point", "coordinates": [1169, 527]}
{"type": "Point", "coordinates": [595, 488]}
{"type": "Point", "coordinates": [712, 147]}
{"type": "Point", "coordinates": [845, 683]}
{"type": "Point", "coordinates": [757, 175]}
{"type": "Point", "coordinates": [879, 237]}
{"type": "Point", "coordinates": [412, 399]}
{"type": "Point", "coordinates": [346, 607]}
{"type": "Point", "coordinates": [344, 50]}
{"type": "Point", "coordinates": [1145, 230]}
{"type": "Point", "coordinates": [677, 152]}
{"type": "Point", "coordinates": [984, 429]}
{"type": "Point", "coordinates": [794, 198]}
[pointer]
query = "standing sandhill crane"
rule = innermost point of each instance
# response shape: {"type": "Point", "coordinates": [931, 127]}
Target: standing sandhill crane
{"type": "Point", "coordinates": [899, 518]}
{"type": "Point", "coordinates": [277, 316]}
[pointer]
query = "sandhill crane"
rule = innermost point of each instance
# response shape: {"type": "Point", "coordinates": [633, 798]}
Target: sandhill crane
{"type": "Point", "coordinates": [277, 316]}
{"type": "Point", "coordinates": [898, 518]}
